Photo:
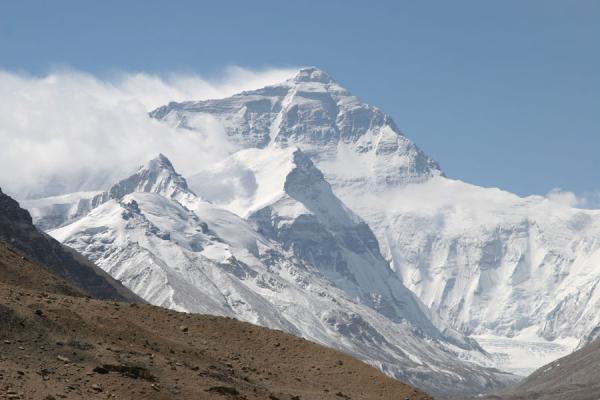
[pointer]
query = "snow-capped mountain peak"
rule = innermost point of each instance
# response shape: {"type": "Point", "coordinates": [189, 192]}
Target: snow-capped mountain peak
{"type": "Point", "coordinates": [252, 179]}
{"type": "Point", "coordinates": [156, 176]}
{"type": "Point", "coordinates": [312, 74]}
{"type": "Point", "coordinates": [160, 162]}
{"type": "Point", "coordinates": [314, 113]}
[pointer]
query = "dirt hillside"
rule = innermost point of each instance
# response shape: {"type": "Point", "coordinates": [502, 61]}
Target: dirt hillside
{"type": "Point", "coordinates": [56, 343]}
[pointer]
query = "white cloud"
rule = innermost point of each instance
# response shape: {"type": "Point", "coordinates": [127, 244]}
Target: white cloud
{"type": "Point", "coordinates": [154, 91]}
{"type": "Point", "coordinates": [565, 198]}
{"type": "Point", "coordinates": [589, 200]}
{"type": "Point", "coordinates": [70, 124]}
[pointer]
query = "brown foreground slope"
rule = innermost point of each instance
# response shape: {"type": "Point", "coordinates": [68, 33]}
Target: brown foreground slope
{"type": "Point", "coordinates": [19, 270]}
{"type": "Point", "coordinates": [56, 343]}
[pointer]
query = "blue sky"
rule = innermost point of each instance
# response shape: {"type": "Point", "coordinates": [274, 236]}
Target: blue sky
{"type": "Point", "coordinates": [503, 93]}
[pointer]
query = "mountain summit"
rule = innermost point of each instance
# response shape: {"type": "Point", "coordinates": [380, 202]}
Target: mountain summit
{"type": "Point", "coordinates": [156, 176]}
{"type": "Point", "coordinates": [353, 143]}
{"type": "Point", "coordinates": [313, 74]}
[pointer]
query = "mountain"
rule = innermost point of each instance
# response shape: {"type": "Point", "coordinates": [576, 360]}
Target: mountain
{"type": "Point", "coordinates": [59, 343]}
{"type": "Point", "coordinates": [300, 261]}
{"type": "Point", "coordinates": [518, 274]}
{"type": "Point", "coordinates": [351, 142]}
{"type": "Point", "coordinates": [158, 176]}
{"type": "Point", "coordinates": [574, 377]}
{"type": "Point", "coordinates": [296, 208]}
{"type": "Point", "coordinates": [17, 229]}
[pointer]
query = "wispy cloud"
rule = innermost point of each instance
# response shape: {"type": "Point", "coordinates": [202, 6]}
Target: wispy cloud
{"type": "Point", "coordinates": [71, 123]}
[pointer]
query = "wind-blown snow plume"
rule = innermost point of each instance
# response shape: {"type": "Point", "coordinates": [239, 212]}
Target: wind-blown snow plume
{"type": "Point", "coordinates": [76, 126]}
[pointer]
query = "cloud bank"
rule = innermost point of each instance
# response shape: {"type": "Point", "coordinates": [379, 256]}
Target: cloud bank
{"type": "Point", "coordinates": [68, 129]}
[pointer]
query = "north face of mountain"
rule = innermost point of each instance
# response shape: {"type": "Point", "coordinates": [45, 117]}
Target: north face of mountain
{"type": "Point", "coordinates": [350, 141]}
{"type": "Point", "coordinates": [518, 274]}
